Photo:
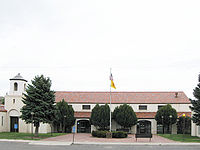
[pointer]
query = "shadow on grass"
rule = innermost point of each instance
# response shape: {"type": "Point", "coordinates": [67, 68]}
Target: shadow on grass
{"type": "Point", "coordinates": [27, 136]}
{"type": "Point", "coordinates": [181, 137]}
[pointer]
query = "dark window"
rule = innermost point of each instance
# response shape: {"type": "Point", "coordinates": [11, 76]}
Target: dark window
{"type": "Point", "coordinates": [2, 121]}
{"type": "Point", "coordinates": [86, 107]}
{"type": "Point", "coordinates": [15, 86]}
{"type": "Point", "coordinates": [13, 101]}
{"type": "Point", "coordinates": [160, 106]}
{"type": "Point", "coordinates": [142, 107]}
{"type": "Point", "coordinates": [24, 87]}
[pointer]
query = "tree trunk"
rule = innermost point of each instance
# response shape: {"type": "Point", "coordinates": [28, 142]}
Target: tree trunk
{"type": "Point", "coordinates": [168, 129]}
{"type": "Point", "coordinates": [36, 131]}
{"type": "Point", "coordinates": [51, 125]}
{"type": "Point", "coordinates": [63, 130]}
{"type": "Point", "coordinates": [163, 129]}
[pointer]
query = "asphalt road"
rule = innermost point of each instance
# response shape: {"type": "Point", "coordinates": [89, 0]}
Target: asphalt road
{"type": "Point", "coordinates": [26, 146]}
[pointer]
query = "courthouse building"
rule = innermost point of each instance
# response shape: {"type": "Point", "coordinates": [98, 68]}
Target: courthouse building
{"type": "Point", "coordinates": [145, 104]}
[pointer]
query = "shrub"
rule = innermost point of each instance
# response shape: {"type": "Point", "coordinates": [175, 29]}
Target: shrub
{"type": "Point", "coordinates": [115, 134]}
{"type": "Point", "coordinates": [119, 134]}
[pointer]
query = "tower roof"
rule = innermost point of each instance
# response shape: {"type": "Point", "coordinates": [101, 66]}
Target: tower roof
{"type": "Point", "coordinates": [18, 77]}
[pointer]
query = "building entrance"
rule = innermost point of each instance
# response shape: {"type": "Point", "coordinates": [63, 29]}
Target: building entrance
{"type": "Point", "coordinates": [143, 127]}
{"type": "Point", "coordinates": [83, 126]}
{"type": "Point", "coordinates": [14, 124]}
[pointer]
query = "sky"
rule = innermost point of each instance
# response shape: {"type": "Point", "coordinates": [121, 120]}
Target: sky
{"type": "Point", "coordinates": [150, 45]}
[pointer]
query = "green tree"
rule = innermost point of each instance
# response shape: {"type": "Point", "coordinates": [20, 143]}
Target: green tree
{"type": "Point", "coordinates": [196, 104]}
{"type": "Point", "coordinates": [125, 116]}
{"type": "Point", "coordinates": [64, 115]}
{"type": "Point", "coordinates": [39, 99]}
{"type": "Point", "coordinates": [2, 100]}
{"type": "Point", "coordinates": [184, 125]}
{"type": "Point", "coordinates": [95, 119]}
{"type": "Point", "coordinates": [166, 116]}
{"type": "Point", "coordinates": [100, 116]}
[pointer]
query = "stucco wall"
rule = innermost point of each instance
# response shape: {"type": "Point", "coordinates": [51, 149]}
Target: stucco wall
{"type": "Point", "coordinates": [13, 104]}
{"type": "Point", "coordinates": [20, 89]}
{"type": "Point", "coordinates": [3, 122]}
{"type": "Point", "coordinates": [150, 107]}
{"type": "Point", "coordinates": [195, 130]}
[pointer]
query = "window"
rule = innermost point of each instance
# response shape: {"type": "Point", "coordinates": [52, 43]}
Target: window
{"type": "Point", "coordinates": [15, 86]}
{"type": "Point", "coordinates": [199, 130]}
{"type": "Point", "coordinates": [24, 87]}
{"type": "Point", "coordinates": [13, 101]}
{"type": "Point", "coordinates": [142, 107]}
{"type": "Point", "coordinates": [86, 107]}
{"type": "Point", "coordinates": [2, 120]}
{"type": "Point", "coordinates": [159, 106]}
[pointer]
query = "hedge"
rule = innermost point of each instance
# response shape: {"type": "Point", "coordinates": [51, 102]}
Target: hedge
{"type": "Point", "coordinates": [115, 134]}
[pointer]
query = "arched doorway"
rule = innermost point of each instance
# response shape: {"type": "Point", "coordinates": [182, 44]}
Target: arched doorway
{"type": "Point", "coordinates": [144, 127]}
{"type": "Point", "coordinates": [14, 120]}
{"type": "Point", "coordinates": [83, 126]}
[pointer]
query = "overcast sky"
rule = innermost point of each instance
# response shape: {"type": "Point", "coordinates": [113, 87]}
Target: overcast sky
{"type": "Point", "coordinates": [151, 45]}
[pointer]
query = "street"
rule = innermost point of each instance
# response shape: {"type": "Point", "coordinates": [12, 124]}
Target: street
{"type": "Point", "coordinates": [26, 146]}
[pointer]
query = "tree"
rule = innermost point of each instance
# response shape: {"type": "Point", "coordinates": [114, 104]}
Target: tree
{"type": "Point", "coordinates": [196, 104]}
{"type": "Point", "coordinates": [39, 100]}
{"type": "Point", "coordinates": [166, 116]}
{"type": "Point", "coordinates": [64, 115]}
{"type": "Point", "coordinates": [100, 116]}
{"type": "Point", "coordinates": [184, 125]}
{"type": "Point", "coordinates": [95, 119]}
{"type": "Point", "coordinates": [2, 100]}
{"type": "Point", "coordinates": [125, 116]}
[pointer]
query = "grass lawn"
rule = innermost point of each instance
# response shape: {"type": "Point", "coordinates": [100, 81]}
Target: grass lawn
{"type": "Point", "coordinates": [181, 137]}
{"type": "Point", "coordinates": [27, 136]}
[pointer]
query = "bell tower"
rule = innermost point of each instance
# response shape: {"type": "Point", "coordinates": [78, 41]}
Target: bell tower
{"type": "Point", "coordinates": [17, 85]}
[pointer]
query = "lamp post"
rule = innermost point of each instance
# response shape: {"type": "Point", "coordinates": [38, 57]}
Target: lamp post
{"type": "Point", "coordinates": [170, 123]}
{"type": "Point", "coordinates": [32, 113]}
{"type": "Point", "coordinates": [183, 123]}
{"type": "Point", "coordinates": [162, 123]}
{"type": "Point", "coordinates": [64, 123]}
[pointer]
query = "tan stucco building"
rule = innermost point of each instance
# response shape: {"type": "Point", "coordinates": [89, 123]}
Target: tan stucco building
{"type": "Point", "coordinates": [145, 104]}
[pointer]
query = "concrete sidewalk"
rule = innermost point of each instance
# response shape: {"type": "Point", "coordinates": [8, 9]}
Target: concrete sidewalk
{"type": "Point", "coordinates": [82, 139]}
{"type": "Point", "coordinates": [85, 137]}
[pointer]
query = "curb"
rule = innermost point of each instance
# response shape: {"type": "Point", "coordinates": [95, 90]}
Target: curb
{"type": "Point", "coordinates": [12, 140]}
{"type": "Point", "coordinates": [136, 144]}
{"type": "Point", "coordinates": [52, 143]}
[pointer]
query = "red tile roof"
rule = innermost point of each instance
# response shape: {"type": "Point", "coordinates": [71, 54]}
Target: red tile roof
{"type": "Point", "coordinates": [123, 97]}
{"type": "Point", "coordinates": [140, 115]}
{"type": "Point", "coordinates": [2, 109]}
{"type": "Point", "coordinates": [82, 114]}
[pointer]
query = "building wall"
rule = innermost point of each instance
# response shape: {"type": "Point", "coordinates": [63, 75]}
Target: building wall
{"type": "Point", "coordinates": [195, 130]}
{"type": "Point", "coordinates": [13, 104]}
{"type": "Point", "coordinates": [21, 87]}
{"type": "Point", "coordinates": [3, 121]}
{"type": "Point", "coordinates": [150, 107]}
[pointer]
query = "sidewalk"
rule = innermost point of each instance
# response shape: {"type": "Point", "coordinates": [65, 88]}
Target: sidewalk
{"type": "Point", "coordinates": [83, 138]}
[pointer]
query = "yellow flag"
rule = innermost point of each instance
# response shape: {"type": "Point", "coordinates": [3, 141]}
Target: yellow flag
{"type": "Point", "coordinates": [112, 83]}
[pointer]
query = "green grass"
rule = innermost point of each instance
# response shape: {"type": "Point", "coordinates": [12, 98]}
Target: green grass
{"type": "Point", "coordinates": [27, 136]}
{"type": "Point", "coordinates": [181, 137]}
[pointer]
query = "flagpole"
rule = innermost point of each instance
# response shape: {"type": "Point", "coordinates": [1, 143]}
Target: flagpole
{"type": "Point", "coordinates": [110, 103]}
